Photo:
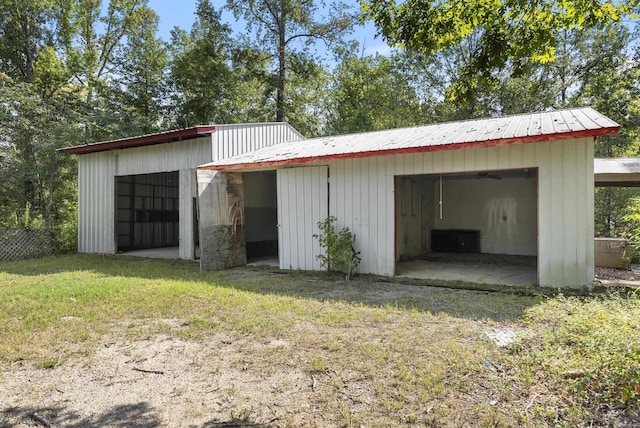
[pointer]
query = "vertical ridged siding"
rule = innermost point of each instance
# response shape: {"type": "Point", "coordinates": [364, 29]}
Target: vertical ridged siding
{"type": "Point", "coordinates": [166, 157]}
{"type": "Point", "coordinates": [302, 203]}
{"type": "Point", "coordinates": [362, 198]}
{"type": "Point", "coordinates": [187, 183]}
{"type": "Point", "coordinates": [97, 171]}
{"type": "Point", "coordinates": [232, 140]}
{"type": "Point", "coordinates": [96, 198]}
{"type": "Point", "coordinates": [96, 187]}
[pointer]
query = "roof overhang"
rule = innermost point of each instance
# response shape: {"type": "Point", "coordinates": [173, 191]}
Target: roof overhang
{"type": "Point", "coordinates": [243, 162]}
{"type": "Point", "coordinates": [144, 140]}
{"type": "Point", "coordinates": [617, 172]}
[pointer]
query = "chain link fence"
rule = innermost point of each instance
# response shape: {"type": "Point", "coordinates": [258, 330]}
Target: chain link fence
{"type": "Point", "coordinates": [27, 243]}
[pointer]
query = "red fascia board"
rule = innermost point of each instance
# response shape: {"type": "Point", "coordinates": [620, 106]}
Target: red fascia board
{"type": "Point", "coordinates": [410, 150]}
{"type": "Point", "coordinates": [145, 140]}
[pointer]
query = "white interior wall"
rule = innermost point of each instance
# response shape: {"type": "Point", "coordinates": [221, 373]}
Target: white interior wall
{"type": "Point", "coordinates": [504, 211]}
{"type": "Point", "coordinates": [260, 205]}
{"type": "Point", "coordinates": [187, 191]}
{"type": "Point", "coordinates": [409, 192]}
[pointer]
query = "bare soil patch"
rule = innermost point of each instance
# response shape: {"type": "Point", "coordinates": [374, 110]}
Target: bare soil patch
{"type": "Point", "coordinates": [228, 381]}
{"type": "Point", "coordinates": [392, 363]}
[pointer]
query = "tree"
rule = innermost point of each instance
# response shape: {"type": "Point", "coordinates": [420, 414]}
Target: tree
{"type": "Point", "coordinates": [140, 86]}
{"type": "Point", "coordinates": [91, 59]}
{"type": "Point", "coordinates": [33, 109]}
{"type": "Point", "coordinates": [205, 85]}
{"type": "Point", "coordinates": [26, 29]}
{"type": "Point", "coordinates": [279, 24]}
{"type": "Point", "coordinates": [56, 58]}
{"type": "Point", "coordinates": [509, 30]}
{"type": "Point", "coordinates": [36, 182]}
{"type": "Point", "coordinates": [372, 93]}
{"type": "Point", "coordinates": [308, 96]}
{"type": "Point", "coordinates": [612, 87]}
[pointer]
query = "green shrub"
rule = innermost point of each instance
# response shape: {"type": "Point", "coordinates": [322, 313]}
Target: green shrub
{"type": "Point", "coordinates": [339, 254]}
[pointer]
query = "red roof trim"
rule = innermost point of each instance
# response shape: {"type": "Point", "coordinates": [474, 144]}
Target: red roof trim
{"type": "Point", "coordinates": [144, 140]}
{"type": "Point", "coordinates": [409, 150]}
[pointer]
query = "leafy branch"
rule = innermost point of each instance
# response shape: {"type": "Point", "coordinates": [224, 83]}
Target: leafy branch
{"type": "Point", "coordinates": [339, 255]}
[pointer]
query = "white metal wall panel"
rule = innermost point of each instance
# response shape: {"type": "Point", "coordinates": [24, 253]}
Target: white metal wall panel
{"type": "Point", "coordinates": [162, 157]}
{"type": "Point", "coordinates": [302, 203]}
{"type": "Point", "coordinates": [362, 198]}
{"type": "Point", "coordinates": [96, 188]}
{"type": "Point", "coordinates": [187, 185]}
{"type": "Point", "coordinates": [231, 140]}
{"type": "Point", "coordinates": [96, 222]}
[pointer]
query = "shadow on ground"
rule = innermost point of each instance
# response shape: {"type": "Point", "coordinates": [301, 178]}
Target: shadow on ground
{"type": "Point", "coordinates": [139, 415]}
{"type": "Point", "coordinates": [455, 299]}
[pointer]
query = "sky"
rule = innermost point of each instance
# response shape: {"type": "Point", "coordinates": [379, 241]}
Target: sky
{"type": "Point", "coordinates": [181, 13]}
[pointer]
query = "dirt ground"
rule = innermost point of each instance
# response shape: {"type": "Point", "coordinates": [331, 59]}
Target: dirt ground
{"type": "Point", "coordinates": [160, 381]}
{"type": "Point", "coordinates": [219, 381]}
{"type": "Point", "coordinates": [618, 276]}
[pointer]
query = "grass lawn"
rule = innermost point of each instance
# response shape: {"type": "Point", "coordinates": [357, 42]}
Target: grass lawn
{"type": "Point", "coordinates": [274, 348]}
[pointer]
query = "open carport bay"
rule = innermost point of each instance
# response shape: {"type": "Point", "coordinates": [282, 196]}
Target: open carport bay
{"type": "Point", "coordinates": [474, 227]}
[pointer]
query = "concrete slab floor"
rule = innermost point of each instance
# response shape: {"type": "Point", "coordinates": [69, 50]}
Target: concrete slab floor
{"type": "Point", "coordinates": [478, 268]}
{"type": "Point", "coordinates": [154, 253]}
{"type": "Point", "coordinates": [271, 261]}
{"type": "Point", "coordinates": [158, 253]}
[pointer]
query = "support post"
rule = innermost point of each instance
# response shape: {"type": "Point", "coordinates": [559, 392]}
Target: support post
{"type": "Point", "coordinates": [221, 207]}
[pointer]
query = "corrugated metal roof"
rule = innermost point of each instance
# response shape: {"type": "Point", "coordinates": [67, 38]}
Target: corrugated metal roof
{"type": "Point", "coordinates": [621, 172]}
{"type": "Point", "coordinates": [168, 137]}
{"type": "Point", "coordinates": [517, 129]}
{"type": "Point", "coordinates": [616, 166]}
{"type": "Point", "coordinates": [143, 140]}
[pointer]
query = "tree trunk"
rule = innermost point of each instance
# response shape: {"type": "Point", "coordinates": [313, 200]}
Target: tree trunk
{"type": "Point", "coordinates": [29, 51]}
{"type": "Point", "coordinates": [282, 71]}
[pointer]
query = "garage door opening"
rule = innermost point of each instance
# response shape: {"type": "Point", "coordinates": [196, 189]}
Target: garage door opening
{"type": "Point", "coordinates": [261, 217]}
{"type": "Point", "coordinates": [147, 213]}
{"type": "Point", "coordinates": [477, 227]}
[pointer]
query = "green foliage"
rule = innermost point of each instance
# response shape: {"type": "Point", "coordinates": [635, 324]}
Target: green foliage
{"type": "Point", "coordinates": [339, 254]}
{"type": "Point", "coordinates": [615, 212]}
{"type": "Point", "coordinates": [140, 90]}
{"type": "Point", "coordinates": [35, 180]}
{"type": "Point", "coordinates": [204, 84]}
{"type": "Point", "coordinates": [372, 93]}
{"type": "Point", "coordinates": [280, 24]}
{"type": "Point", "coordinates": [507, 31]}
{"type": "Point", "coordinates": [589, 348]}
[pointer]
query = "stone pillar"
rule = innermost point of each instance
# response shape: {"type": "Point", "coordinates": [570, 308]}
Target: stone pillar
{"type": "Point", "coordinates": [221, 209]}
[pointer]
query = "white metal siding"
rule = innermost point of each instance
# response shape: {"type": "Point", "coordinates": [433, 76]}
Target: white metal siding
{"type": "Point", "coordinates": [96, 223]}
{"type": "Point", "coordinates": [302, 203]}
{"type": "Point", "coordinates": [232, 140]}
{"type": "Point", "coordinates": [97, 171]}
{"type": "Point", "coordinates": [166, 157]}
{"type": "Point", "coordinates": [187, 191]}
{"type": "Point", "coordinates": [96, 187]}
{"type": "Point", "coordinates": [362, 198]}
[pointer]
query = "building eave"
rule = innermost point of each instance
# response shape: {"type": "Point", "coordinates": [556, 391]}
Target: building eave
{"type": "Point", "coordinates": [144, 140]}
{"type": "Point", "coordinates": [587, 133]}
